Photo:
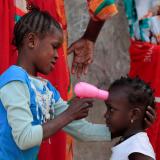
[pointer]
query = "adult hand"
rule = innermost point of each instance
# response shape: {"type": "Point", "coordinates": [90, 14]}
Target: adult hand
{"type": "Point", "coordinates": [83, 56]}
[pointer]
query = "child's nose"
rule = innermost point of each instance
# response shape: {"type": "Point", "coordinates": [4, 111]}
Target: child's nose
{"type": "Point", "coordinates": [107, 116]}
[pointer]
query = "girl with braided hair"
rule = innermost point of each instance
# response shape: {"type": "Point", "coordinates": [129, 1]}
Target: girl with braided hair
{"type": "Point", "coordinates": [126, 112]}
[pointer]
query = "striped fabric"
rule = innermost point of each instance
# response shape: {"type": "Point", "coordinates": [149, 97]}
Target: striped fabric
{"type": "Point", "coordinates": [101, 9]}
{"type": "Point", "coordinates": [144, 20]}
{"type": "Point", "coordinates": [20, 9]}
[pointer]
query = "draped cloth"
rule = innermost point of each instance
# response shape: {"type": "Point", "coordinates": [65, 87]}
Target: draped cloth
{"type": "Point", "coordinates": [145, 62]}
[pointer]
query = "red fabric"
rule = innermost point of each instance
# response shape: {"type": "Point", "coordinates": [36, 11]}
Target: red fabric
{"type": "Point", "coordinates": [48, 6]}
{"type": "Point", "coordinates": [145, 62]}
{"type": "Point", "coordinates": [7, 51]}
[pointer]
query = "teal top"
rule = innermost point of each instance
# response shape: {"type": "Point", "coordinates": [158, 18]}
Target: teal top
{"type": "Point", "coordinates": [143, 19]}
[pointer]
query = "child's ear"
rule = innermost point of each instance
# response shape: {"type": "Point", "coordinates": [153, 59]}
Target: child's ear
{"type": "Point", "coordinates": [136, 113]}
{"type": "Point", "coordinates": [32, 40]}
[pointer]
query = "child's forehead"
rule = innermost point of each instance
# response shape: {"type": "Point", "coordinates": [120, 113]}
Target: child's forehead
{"type": "Point", "coordinates": [117, 97]}
{"type": "Point", "coordinates": [118, 92]}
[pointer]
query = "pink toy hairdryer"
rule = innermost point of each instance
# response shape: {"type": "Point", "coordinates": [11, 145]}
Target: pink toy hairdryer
{"type": "Point", "coordinates": [85, 90]}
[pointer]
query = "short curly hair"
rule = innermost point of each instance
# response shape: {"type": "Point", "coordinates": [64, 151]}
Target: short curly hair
{"type": "Point", "coordinates": [139, 93]}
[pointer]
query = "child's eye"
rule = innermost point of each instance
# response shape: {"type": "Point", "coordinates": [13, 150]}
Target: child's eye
{"type": "Point", "coordinates": [111, 110]}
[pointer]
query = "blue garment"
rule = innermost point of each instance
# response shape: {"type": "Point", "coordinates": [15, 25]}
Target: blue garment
{"type": "Point", "coordinates": [8, 148]}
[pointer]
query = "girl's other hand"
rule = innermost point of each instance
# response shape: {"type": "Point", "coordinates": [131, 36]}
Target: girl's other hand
{"type": "Point", "coordinates": [79, 108]}
{"type": "Point", "coordinates": [150, 116]}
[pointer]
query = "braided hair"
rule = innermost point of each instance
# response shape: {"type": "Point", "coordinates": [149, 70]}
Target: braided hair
{"type": "Point", "coordinates": [139, 93]}
{"type": "Point", "coordinates": [36, 21]}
